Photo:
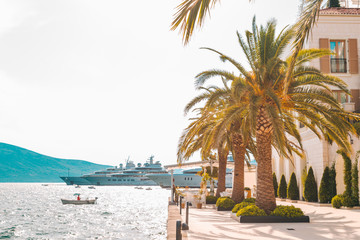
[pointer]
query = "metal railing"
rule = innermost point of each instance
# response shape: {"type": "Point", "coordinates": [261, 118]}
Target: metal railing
{"type": "Point", "coordinates": [338, 65]}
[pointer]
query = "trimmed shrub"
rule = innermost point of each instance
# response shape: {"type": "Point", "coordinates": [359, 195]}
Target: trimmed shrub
{"type": "Point", "coordinates": [225, 202]}
{"type": "Point", "coordinates": [336, 201]}
{"type": "Point", "coordinates": [275, 185]}
{"type": "Point", "coordinates": [283, 188]}
{"type": "Point", "coordinates": [347, 172]}
{"type": "Point", "coordinates": [211, 199]}
{"type": "Point", "coordinates": [355, 183]}
{"type": "Point", "coordinates": [287, 211]}
{"type": "Point", "coordinates": [332, 182]}
{"type": "Point", "coordinates": [241, 205]}
{"type": "Point", "coordinates": [324, 191]}
{"type": "Point", "coordinates": [293, 189]}
{"type": "Point", "coordinates": [249, 200]}
{"type": "Point", "coordinates": [310, 189]}
{"type": "Point", "coordinates": [347, 201]}
{"type": "Point", "coordinates": [251, 210]}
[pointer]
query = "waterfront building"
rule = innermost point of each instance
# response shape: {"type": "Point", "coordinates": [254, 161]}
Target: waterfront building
{"type": "Point", "coordinates": [337, 29]}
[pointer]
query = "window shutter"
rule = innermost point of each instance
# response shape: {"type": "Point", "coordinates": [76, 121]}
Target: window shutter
{"type": "Point", "coordinates": [353, 56]}
{"type": "Point", "coordinates": [324, 61]}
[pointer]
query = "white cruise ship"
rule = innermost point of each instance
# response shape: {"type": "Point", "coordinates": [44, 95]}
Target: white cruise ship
{"type": "Point", "coordinates": [128, 176]}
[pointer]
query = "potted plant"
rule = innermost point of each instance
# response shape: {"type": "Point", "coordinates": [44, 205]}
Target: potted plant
{"type": "Point", "coordinates": [248, 192]}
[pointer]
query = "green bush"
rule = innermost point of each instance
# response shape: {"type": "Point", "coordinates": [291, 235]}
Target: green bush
{"type": "Point", "coordinates": [249, 200]}
{"type": "Point", "coordinates": [332, 182]}
{"type": "Point", "coordinates": [324, 191]}
{"type": "Point", "coordinates": [310, 189]}
{"type": "Point", "coordinates": [336, 201]}
{"type": "Point", "coordinates": [287, 211]}
{"type": "Point", "coordinates": [225, 202]}
{"type": "Point", "coordinates": [355, 183]}
{"type": "Point", "coordinates": [275, 185]}
{"type": "Point", "coordinates": [283, 188]}
{"type": "Point", "coordinates": [251, 210]}
{"type": "Point", "coordinates": [347, 172]}
{"type": "Point", "coordinates": [293, 189]}
{"type": "Point", "coordinates": [347, 201]}
{"type": "Point", "coordinates": [241, 205]}
{"type": "Point", "coordinates": [211, 199]}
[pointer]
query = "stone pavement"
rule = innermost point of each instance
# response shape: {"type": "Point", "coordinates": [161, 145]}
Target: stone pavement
{"type": "Point", "coordinates": [325, 223]}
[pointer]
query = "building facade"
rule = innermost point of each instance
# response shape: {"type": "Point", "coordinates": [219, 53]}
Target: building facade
{"type": "Point", "coordinates": [337, 29]}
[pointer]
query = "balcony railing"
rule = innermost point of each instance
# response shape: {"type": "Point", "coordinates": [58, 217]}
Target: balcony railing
{"type": "Point", "coordinates": [338, 65]}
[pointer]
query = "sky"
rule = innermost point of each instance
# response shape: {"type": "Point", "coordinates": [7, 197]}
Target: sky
{"type": "Point", "coordinates": [102, 80]}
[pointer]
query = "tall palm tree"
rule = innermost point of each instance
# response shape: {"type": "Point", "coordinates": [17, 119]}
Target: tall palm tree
{"type": "Point", "coordinates": [272, 112]}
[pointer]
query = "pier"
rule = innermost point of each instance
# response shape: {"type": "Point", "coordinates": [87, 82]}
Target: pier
{"type": "Point", "coordinates": [326, 223]}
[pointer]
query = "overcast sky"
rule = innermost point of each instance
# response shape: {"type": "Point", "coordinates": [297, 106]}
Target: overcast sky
{"type": "Point", "coordinates": [104, 80]}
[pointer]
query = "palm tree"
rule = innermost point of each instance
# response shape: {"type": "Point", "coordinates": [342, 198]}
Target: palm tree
{"type": "Point", "coordinates": [271, 111]}
{"type": "Point", "coordinates": [210, 129]}
{"type": "Point", "coordinates": [192, 13]}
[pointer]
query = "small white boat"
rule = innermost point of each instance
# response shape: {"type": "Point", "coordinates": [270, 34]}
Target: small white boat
{"type": "Point", "coordinates": [78, 202]}
{"type": "Point", "coordinates": [91, 187]}
{"type": "Point", "coordinates": [149, 188]}
{"type": "Point", "coordinates": [77, 186]}
{"type": "Point", "coordinates": [138, 188]}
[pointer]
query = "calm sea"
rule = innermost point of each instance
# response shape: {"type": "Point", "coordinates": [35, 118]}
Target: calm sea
{"type": "Point", "coordinates": [34, 211]}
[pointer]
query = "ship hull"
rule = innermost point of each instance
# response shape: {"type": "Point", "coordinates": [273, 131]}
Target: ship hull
{"type": "Point", "coordinates": [123, 181]}
{"type": "Point", "coordinates": [75, 181]}
{"type": "Point", "coordinates": [184, 180]}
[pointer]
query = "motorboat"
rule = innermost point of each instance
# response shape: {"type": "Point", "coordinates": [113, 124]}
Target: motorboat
{"type": "Point", "coordinates": [91, 187]}
{"type": "Point", "coordinates": [148, 188]}
{"type": "Point", "coordinates": [78, 202]}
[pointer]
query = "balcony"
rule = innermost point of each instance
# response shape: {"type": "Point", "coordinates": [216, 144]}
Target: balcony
{"type": "Point", "coordinates": [338, 65]}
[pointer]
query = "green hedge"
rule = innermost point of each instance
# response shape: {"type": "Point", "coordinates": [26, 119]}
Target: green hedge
{"type": "Point", "coordinates": [251, 210]}
{"type": "Point", "coordinates": [293, 189]}
{"type": "Point", "coordinates": [225, 202]}
{"type": "Point", "coordinates": [249, 200]}
{"type": "Point", "coordinates": [282, 188]}
{"type": "Point", "coordinates": [211, 199]}
{"type": "Point", "coordinates": [287, 211]}
{"type": "Point", "coordinates": [241, 205]}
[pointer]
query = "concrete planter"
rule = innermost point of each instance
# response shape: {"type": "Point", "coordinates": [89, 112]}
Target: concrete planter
{"type": "Point", "coordinates": [223, 209]}
{"type": "Point", "coordinates": [269, 219]}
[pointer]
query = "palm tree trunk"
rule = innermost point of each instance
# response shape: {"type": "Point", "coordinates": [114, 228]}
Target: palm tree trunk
{"type": "Point", "coordinates": [221, 186]}
{"type": "Point", "coordinates": [239, 158]}
{"type": "Point", "coordinates": [265, 196]}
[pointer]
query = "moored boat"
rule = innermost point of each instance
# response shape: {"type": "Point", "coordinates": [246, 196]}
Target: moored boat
{"type": "Point", "coordinates": [78, 202]}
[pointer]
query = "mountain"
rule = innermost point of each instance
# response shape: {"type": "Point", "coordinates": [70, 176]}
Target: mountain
{"type": "Point", "coordinates": [22, 165]}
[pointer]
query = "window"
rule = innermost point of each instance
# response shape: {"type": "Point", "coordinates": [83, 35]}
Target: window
{"type": "Point", "coordinates": [338, 60]}
{"type": "Point", "coordinates": [340, 96]}
{"type": "Point", "coordinates": [109, 179]}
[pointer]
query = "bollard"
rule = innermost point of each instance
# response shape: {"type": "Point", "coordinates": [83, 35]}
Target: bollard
{"type": "Point", "coordinates": [185, 225]}
{"type": "Point", "coordinates": [180, 203]}
{"type": "Point", "coordinates": [178, 230]}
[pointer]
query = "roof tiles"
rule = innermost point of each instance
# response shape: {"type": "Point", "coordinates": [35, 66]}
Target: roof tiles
{"type": "Point", "coordinates": [340, 11]}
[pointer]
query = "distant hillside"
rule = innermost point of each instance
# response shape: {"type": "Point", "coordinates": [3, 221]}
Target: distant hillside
{"type": "Point", "coordinates": [22, 165]}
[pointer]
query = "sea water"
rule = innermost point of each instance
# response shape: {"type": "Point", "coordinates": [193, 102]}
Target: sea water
{"type": "Point", "coordinates": [35, 211]}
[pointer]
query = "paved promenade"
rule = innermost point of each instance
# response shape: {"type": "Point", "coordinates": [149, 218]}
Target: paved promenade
{"type": "Point", "coordinates": [325, 223]}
